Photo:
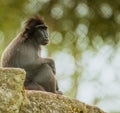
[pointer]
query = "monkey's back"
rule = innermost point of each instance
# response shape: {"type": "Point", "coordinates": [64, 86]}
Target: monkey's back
{"type": "Point", "coordinates": [8, 58]}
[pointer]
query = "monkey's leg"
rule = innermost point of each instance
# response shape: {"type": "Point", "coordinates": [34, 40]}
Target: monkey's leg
{"type": "Point", "coordinates": [33, 86]}
{"type": "Point", "coordinates": [30, 84]}
{"type": "Point", "coordinates": [45, 78]}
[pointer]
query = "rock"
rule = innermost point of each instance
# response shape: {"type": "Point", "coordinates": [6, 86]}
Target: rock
{"type": "Point", "coordinates": [44, 102]}
{"type": "Point", "coordinates": [11, 87]}
{"type": "Point", "coordinates": [13, 98]}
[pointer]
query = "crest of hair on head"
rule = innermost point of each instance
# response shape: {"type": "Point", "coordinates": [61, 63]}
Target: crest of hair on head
{"type": "Point", "coordinates": [33, 21]}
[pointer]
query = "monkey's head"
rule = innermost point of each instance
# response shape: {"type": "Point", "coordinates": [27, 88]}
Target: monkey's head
{"type": "Point", "coordinates": [35, 28]}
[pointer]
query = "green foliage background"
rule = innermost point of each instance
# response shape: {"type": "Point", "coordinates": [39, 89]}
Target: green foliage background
{"type": "Point", "coordinates": [76, 27]}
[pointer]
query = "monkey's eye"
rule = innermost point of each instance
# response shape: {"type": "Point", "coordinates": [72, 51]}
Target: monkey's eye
{"type": "Point", "coordinates": [41, 26]}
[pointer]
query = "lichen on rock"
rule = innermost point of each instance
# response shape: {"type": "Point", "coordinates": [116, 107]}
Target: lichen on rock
{"type": "Point", "coordinates": [11, 85]}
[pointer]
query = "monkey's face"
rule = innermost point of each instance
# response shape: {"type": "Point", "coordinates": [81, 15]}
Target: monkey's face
{"type": "Point", "coordinates": [42, 34]}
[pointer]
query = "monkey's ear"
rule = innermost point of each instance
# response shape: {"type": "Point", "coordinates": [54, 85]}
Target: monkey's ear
{"type": "Point", "coordinates": [27, 32]}
{"type": "Point", "coordinates": [29, 24]}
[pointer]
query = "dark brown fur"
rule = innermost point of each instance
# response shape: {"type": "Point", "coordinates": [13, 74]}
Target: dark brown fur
{"type": "Point", "coordinates": [23, 51]}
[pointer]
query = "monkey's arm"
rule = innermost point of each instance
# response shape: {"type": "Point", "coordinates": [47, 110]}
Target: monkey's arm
{"type": "Point", "coordinates": [28, 58]}
{"type": "Point", "coordinates": [50, 62]}
{"type": "Point", "coordinates": [31, 64]}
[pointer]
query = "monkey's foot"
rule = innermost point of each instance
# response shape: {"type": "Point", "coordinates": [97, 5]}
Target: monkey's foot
{"type": "Point", "coordinates": [59, 92]}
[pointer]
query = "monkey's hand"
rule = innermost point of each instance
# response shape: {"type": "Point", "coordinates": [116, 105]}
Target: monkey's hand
{"type": "Point", "coordinates": [51, 63]}
{"type": "Point", "coordinates": [53, 69]}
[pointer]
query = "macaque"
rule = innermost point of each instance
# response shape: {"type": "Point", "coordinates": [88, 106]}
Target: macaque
{"type": "Point", "coordinates": [24, 52]}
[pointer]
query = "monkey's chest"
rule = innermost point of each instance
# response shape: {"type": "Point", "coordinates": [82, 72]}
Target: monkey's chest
{"type": "Point", "coordinates": [24, 56]}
